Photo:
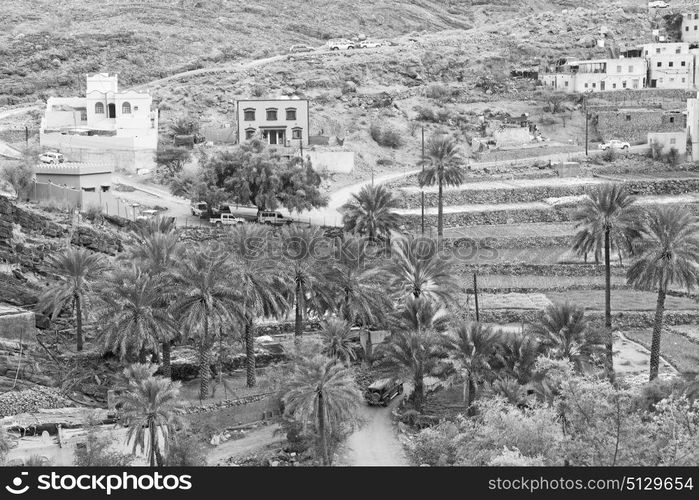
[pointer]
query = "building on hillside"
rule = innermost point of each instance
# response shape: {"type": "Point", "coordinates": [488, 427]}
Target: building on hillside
{"type": "Point", "coordinates": [689, 27]}
{"type": "Point", "coordinates": [597, 75]}
{"type": "Point", "coordinates": [634, 124]}
{"type": "Point", "coordinates": [670, 65]}
{"type": "Point", "coordinates": [105, 126]}
{"type": "Point", "coordinates": [669, 140]}
{"type": "Point", "coordinates": [281, 122]}
{"type": "Point", "coordinates": [88, 177]}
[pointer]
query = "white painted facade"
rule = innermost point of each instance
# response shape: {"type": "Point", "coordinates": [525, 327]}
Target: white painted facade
{"type": "Point", "coordinates": [105, 126]}
{"type": "Point", "coordinates": [689, 28]}
{"type": "Point", "coordinates": [280, 122]}
{"type": "Point", "coordinates": [599, 75]}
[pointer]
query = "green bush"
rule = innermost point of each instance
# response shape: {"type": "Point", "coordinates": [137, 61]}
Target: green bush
{"type": "Point", "coordinates": [609, 155]}
{"type": "Point", "coordinates": [673, 156]}
{"type": "Point", "coordinates": [386, 136]}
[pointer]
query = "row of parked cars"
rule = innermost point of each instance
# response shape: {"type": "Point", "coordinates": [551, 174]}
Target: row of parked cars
{"type": "Point", "coordinates": [339, 44]}
{"type": "Point", "coordinates": [231, 215]}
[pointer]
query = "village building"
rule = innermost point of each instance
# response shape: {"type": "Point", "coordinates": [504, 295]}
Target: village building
{"type": "Point", "coordinates": [633, 124]}
{"type": "Point", "coordinates": [282, 122]}
{"type": "Point", "coordinates": [670, 65]}
{"type": "Point", "coordinates": [88, 177]}
{"type": "Point", "coordinates": [105, 126]}
{"type": "Point", "coordinates": [597, 75]}
{"type": "Point", "coordinates": [689, 27]}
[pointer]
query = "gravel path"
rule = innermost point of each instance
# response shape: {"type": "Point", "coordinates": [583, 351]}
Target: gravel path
{"type": "Point", "coordinates": [375, 442]}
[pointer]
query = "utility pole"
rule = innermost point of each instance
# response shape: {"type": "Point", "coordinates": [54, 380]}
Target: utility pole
{"type": "Point", "coordinates": [587, 120]}
{"type": "Point", "coordinates": [475, 295]}
{"type": "Point", "coordinates": [422, 192]}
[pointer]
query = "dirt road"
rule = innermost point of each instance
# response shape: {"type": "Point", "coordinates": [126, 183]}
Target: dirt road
{"type": "Point", "coordinates": [375, 442]}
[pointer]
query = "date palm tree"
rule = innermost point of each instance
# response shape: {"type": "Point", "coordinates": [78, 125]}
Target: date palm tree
{"type": "Point", "coordinates": [473, 345]}
{"type": "Point", "coordinates": [77, 269]}
{"type": "Point", "coordinates": [356, 293]}
{"type": "Point", "coordinates": [133, 317]}
{"type": "Point", "coordinates": [606, 221]}
{"type": "Point", "coordinates": [338, 340]}
{"type": "Point", "coordinates": [304, 272]}
{"type": "Point", "coordinates": [669, 255]}
{"type": "Point", "coordinates": [147, 407]}
{"type": "Point", "coordinates": [207, 299]}
{"type": "Point", "coordinates": [565, 332]}
{"type": "Point", "coordinates": [323, 393]}
{"type": "Point", "coordinates": [418, 269]}
{"type": "Point", "coordinates": [441, 168]}
{"type": "Point", "coordinates": [370, 213]}
{"type": "Point", "coordinates": [415, 345]}
{"type": "Point", "coordinates": [258, 282]}
{"type": "Point", "coordinates": [158, 252]}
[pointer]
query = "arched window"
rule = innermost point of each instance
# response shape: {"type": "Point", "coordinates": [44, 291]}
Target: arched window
{"type": "Point", "coordinates": [249, 115]}
{"type": "Point", "coordinates": [126, 109]}
{"type": "Point", "coordinates": [99, 108]}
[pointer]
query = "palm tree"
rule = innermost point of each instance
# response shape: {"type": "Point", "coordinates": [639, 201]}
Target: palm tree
{"type": "Point", "coordinates": [148, 412]}
{"type": "Point", "coordinates": [417, 269]}
{"type": "Point", "coordinates": [564, 331]}
{"type": "Point", "coordinates": [134, 318]}
{"type": "Point", "coordinates": [415, 345]}
{"type": "Point", "coordinates": [156, 225]}
{"type": "Point", "coordinates": [441, 167]}
{"type": "Point", "coordinates": [518, 354]}
{"type": "Point", "coordinates": [669, 255]}
{"type": "Point", "coordinates": [158, 253]}
{"type": "Point", "coordinates": [370, 212]}
{"type": "Point", "coordinates": [607, 220]}
{"type": "Point", "coordinates": [338, 340]}
{"type": "Point", "coordinates": [259, 285]}
{"type": "Point", "coordinates": [207, 298]}
{"type": "Point", "coordinates": [77, 269]}
{"type": "Point", "coordinates": [304, 272]}
{"type": "Point", "coordinates": [473, 345]}
{"type": "Point", "coordinates": [356, 292]}
{"type": "Point", "coordinates": [324, 393]}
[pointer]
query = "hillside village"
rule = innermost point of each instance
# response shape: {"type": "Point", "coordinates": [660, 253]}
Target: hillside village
{"type": "Point", "coordinates": [451, 209]}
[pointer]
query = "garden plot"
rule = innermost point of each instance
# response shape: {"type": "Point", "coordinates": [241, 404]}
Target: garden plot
{"type": "Point", "coordinates": [498, 231]}
{"type": "Point", "coordinates": [631, 358]}
{"type": "Point", "coordinates": [678, 350]}
{"type": "Point", "coordinates": [622, 300]}
{"type": "Point", "coordinates": [535, 301]}
{"type": "Point", "coordinates": [531, 282]}
{"type": "Point", "coordinates": [689, 331]}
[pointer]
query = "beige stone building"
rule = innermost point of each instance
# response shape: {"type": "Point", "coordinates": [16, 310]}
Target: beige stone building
{"type": "Point", "coordinates": [281, 122]}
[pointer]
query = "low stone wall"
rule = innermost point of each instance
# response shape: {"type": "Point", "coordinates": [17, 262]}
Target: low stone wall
{"type": "Point", "coordinates": [530, 194]}
{"type": "Point", "coordinates": [233, 412]}
{"type": "Point", "coordinates": [552, 270]}
{"type": "Point", "coordinates": [620, 320]}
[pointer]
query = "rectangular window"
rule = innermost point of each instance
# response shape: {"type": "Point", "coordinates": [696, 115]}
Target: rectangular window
{"type": "Point", "coordinates": [613, 85]}
{"type": "Point", "coordinates": [660, 80]}
{"type": "Point", "coordinates": [672, 119]}
{"type": "Point", "coordinates": [249, 115]}
{"type": "Point", "coordinates": [83, 116]}
{"type": "Point", "coordinates": [291, 114]}
{"type": "Point", "coordinates": [683, 80]}
{"type": "Point", "coordinates": [657, 51]}
{"type": "Point", "coordinates": [686, 28]}
{"type": "Point", "coordinates": [296, 134]}
{"type": "Point", "coordinates": [628, 118]}
{"type": "Point", "coordinates": [659, 64]}
{"type": "Point", "coordinates": [585, 85]}
{"type": "Point", "coordinates": [618, 69]}
{"type": "Point", "coordinates": [623, 84]}
{"type": "Point", "coordinates": [695, 27]}
{"type": "Point", "coordinates": [594, 85]}
{"type": "Point", "coordinates": [683, 63]}
{"type": "Point", "coordinates": [271, 115]}
{"type": "Point", "coordinates": [566, 82]}
{"type": "Point", "coordinates": [673, 140]}
{"type": "Point", "coordinates": [670, 64]}
{"type": "Point", "coordinates": [630, 69]}
{"type": "Point", "coordinates": [249, 133]}
{"type": "Point", "coordinates": [672, 79]}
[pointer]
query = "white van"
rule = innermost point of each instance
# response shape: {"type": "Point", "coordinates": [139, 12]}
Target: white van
{"type": "Point", "coordinates": [273, 218]}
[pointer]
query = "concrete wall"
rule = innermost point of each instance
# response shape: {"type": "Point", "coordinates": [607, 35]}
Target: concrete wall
{"type": "Point", "coordinates": [17, 323]}
{"type": "Point", "coordinates": [47, 191]}
{"type": "Point", "coordinates": [512, 136]}
{"type": "Point", "coordinates": [669, 140]}
{"type": "Point", "coordinates": [332, 161]}
{"type": "Point", "coordinates": [671, 71]}
{"type": "Point", "coordinates": [693, 125]}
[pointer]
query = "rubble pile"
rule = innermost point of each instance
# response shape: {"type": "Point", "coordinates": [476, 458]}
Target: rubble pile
{"type": "Point", "coordinates": [31, 400]}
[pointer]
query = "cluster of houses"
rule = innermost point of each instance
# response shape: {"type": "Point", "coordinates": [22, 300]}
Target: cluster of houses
{"type": "Point", "coordinates": [111, 130]}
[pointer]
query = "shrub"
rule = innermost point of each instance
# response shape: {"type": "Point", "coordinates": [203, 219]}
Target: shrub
{"type": "Point", "coordinates": [609, 155]}
{"type": "Point", "coordinates": [673, 156]}
{"type": "Point", "coordinates": [386, 136]}
{"type": "Point", "coordinates": [656, 149]}
{"type": "Point", "coordinates": [426, 114]}
{"type": "Point", "coordinates": [438, 92]}
{"type": "Point", "coordinates": [185, 450]}
{"type": "Point", "coordinates": [514, 458]}
{"type": "Point", "coordinates": [433, 447]}
{"type": "Point", "coordinates": [96, 452]}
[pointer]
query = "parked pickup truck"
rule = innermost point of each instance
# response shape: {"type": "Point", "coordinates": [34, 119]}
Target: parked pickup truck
{"type": "Point", "coordinates": [226, 220]}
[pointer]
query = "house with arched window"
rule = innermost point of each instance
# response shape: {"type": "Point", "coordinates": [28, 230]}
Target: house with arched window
{"type": "Point", "coordinates": [118, 126]}
{"type": "Point", "coordinates": [280, 122]}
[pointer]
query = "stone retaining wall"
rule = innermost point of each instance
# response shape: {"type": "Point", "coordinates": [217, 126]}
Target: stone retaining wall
{"type": "Point", "coordinates": [530, 194]}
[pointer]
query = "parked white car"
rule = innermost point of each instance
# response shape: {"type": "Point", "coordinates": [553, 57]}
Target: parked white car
{"type": "Point", "coordinates": [51, 157]}
{"type": "Point", "coordinates": [226, 220]}
{"type": "Point", "coordinates": [340, 44]}
{"type": "Point", "coordinates": [614, 144]}
{"type": "Point", "coordinates": [147, 214]}
{"type": "Point", "coordinates": [369, 44]}
{"type": "Point", "coordinates": [658, 5]}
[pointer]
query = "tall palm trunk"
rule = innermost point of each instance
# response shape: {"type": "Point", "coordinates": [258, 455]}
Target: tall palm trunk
{"type": "Point", "coordinates": [609, 342]}
{"type": "Point", "coordinates": [440, 210]}
{"type": "Point", "coordinates": [78, 322]}
{"type": "Point", "coordinates": [298, 325]}
{"type": "Point", "coordinates": [250, 352]}
{"type": "Point", "coordinates": [204, 360]}
{"type": "Point", "coordinates": [153, 436]}
{"type": "Point", "coordinates": [419, 391]}
{"type": "Point", "coordinates": [321, 430]}
{"type": "Point", "coordinates": [167, 367]}
{"type": "Point", "coordinates": [657, 331]}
